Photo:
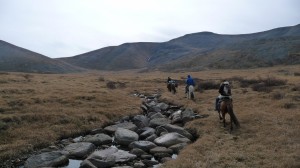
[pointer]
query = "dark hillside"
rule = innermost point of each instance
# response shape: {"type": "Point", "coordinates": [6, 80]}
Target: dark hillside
{"type": "Point", "coordinates": [17, 59]}
{"type": "Point", "coordinates": [196, 51]}
{"type": "Point", "coordinates": [125, 56]}
{"type": "Point", "coordinates": [204, 50]}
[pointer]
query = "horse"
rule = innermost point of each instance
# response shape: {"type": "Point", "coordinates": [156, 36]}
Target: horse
{"type": "Point", "coordinates": [190, 92]}
{"type": "Point", "coordinates": [172, 87]}
{"type": "Point", "coordinates": [227, 107]}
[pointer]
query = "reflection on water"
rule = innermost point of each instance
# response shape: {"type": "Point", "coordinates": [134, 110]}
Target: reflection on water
{"type": "Point", "coordinates": [73, 163]}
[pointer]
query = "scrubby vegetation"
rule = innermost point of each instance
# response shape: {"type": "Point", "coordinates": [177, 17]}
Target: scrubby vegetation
{"type": "Point", "coordinates": [36, 110]}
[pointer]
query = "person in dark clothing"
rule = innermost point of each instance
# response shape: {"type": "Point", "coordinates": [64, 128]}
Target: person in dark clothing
{"type": "Point", "coordinates": [171, 85]}
{"type": "Point", "coordinates": [189, 81]}
{"type": "Point", "coordinates": [168, 80]}
{"type": "Point", "coordinates": [225, 91]}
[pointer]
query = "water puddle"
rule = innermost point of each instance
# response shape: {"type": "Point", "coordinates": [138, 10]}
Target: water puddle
{"type": "Point", "coordinates": [73, 163]}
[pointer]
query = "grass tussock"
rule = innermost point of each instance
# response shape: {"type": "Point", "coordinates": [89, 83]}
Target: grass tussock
{"type": "Point", "coordinates": [278, 96]}
{"type": "Point", "coordinates": [259, 84]}
{"type": "Point", "coordinates": [208, 85]}
{"type": "Point", "coordinates": [115, 85]}
{"type": "Point", "coordinates": [37, 110]}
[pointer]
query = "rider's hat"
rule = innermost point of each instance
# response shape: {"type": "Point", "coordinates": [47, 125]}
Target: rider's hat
{"type": "Point", "coordinates": [226, 83]}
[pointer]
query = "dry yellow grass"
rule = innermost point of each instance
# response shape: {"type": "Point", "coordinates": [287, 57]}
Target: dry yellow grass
{"type": "Point", "coordinates": [38, 109]}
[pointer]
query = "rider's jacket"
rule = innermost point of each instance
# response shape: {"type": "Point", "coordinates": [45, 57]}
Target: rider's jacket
{"type": "Point", "coordinates": [190, 81]}
{"type": "Point", "coordinates": [225, 89]}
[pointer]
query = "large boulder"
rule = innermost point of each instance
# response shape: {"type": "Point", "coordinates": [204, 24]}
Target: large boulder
{"type": "Point", "coordinates": [160, 149]}
{"type": "Point", "coordinates": [163, 106]}
{"type": "Point", "coordinates": [187, 115]}
{"type": "Point", "coordinates": [144, 145]}
{"type": "Point", "coordinates": [139, 164]}
{"type": "Point", "coordinates": [179, 130]}
{"type": "Point", "coordinates": [157, 115]}
{"type": "Point", "coordinates": [155, 109]}
{"type": "Point", "coordinates": [122, 156]}
{"type": "Point", "coordinates": [170, 139]}
{"type": "Point", "coordinates": [150, 103]}
{"type": "Point", "coordinates": [80, 150]}
{"type": "Point", "coordinates": [141, 121]}
{"type": "Point", "coordinates": [176, 148]}
{"type": "Point", "coordinates": [48, 159]}
{"type": "Point", "coordinates": [176, 117]}
{"type": "Point", "coordinates": [100, 159]}
{"type": "Point", "coordinates": [158, 122]}
{"type": "Point", "coordinates": [125, 136]}
{"type": "Point", "coordinates": [147, 133]}
{"type": "Point", "coordinates": [98, 139]}
{"type": "Point", "coordinates": [127, 125]}
{"type": "Point", "coordinates": [138, 152]}
{"type": "Point", "coordinates": [141, 130]}
{"type": "Point", "coordinates": [150, 163]}
{"type": "Point", "coordinates": [151, 138]}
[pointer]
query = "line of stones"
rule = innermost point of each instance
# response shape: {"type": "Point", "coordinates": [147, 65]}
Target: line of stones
{"type": "Point", "coordinates": [151, 138]}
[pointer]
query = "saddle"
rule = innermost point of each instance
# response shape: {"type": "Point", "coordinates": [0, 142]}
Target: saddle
{"type": "Point", "coordinates": [223, 98]}
{"type": "Point", "coordinates": [173, 82]}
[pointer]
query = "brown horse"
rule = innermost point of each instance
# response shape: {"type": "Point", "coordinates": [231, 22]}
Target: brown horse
{"type": "Point", "coordinates": [172, 87]}
{"type": "Point", "coordinates": [227, 107]}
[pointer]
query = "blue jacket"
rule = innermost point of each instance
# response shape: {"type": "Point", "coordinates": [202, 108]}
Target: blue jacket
{"type": "Point", "coordinates": [190, 81]}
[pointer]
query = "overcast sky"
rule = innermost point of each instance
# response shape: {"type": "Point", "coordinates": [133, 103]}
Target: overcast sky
{"type": "Point", "coordinates": [63, 28]}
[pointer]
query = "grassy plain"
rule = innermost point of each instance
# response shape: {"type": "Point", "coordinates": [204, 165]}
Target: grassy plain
{"type": "Point", "coordinates": [38, 109]}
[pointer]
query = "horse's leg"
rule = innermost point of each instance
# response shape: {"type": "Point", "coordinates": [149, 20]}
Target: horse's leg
{"type": "Point", "coordinates": [231, 127]}
{"type": "Point", "coordinates": [224, 122]}
{"type": "Point", "coordinates": [233, 118]}
{"type": "Point", "coordinates": [174, 89]}
{"type": "Point", "coordinates": [220, 115]}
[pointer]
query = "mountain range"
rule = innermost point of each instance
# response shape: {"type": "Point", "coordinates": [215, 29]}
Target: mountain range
{"type": "Point", "coordinates": [197, 51]}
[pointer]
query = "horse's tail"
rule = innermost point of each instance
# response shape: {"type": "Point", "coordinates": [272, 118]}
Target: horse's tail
{"type": "Point", "coordinates": [232, 115]}
{"type": "Point", "coordinates": [173, 88]}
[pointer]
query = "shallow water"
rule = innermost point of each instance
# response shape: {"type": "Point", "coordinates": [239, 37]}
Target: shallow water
{"type": "Point", "coordinates": [76, 163]}
{"type": "Point", "coordinates": [73, 163]}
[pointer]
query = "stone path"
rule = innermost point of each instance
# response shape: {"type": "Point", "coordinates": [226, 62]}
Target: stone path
{"type": "Point", "coordinates": [144, 140]}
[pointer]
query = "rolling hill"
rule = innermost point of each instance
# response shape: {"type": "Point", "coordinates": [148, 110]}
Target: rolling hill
{"type": "Point", "coordinates": [125, 56]}
{"type": "Point", "coordinates": [204, 50]}
{"type": "Point", "coordinates": [191, 52]}
{"type": "Point", "coordinates": [17, 59]}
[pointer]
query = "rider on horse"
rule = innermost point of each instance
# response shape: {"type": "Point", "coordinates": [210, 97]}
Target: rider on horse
{"type": "Point", "coordinates": [171, 82]}
{"type": "Point", "coordinates": [189, 81]}
{"type": "Point", "coordinates": [225, 92]}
